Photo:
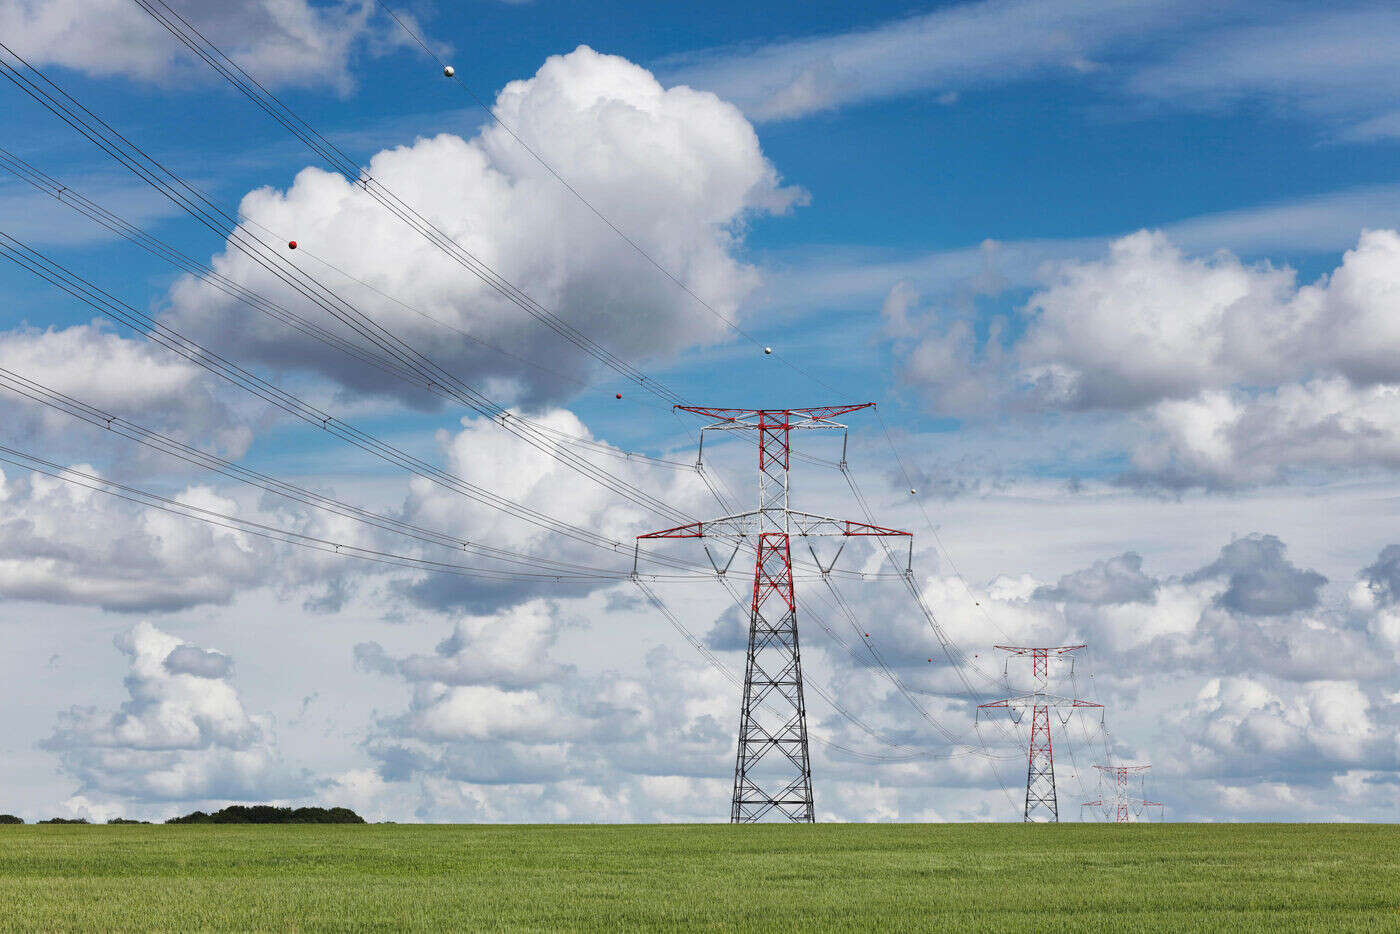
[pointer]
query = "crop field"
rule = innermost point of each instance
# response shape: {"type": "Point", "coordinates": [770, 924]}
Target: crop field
{"type": "Point", "coordinates": [963, 877]}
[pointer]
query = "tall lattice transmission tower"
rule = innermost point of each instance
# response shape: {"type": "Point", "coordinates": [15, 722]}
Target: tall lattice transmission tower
{"type": "Point", "coordinates": [773, 711]}
{"type": "Point", "coordinates": [1042, 805]}
{"type": "Point", "coordinates": [1120, 805]}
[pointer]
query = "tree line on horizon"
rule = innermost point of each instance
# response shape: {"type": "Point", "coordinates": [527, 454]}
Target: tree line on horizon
{"type": "Point", "coordinates": [233, 814]}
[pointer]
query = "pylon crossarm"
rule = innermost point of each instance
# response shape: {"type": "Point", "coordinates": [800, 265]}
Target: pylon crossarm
{"type": "Point", "coordinates": [1037, 699]}
{"type": "Point", "coordinates": [811, 524]}
{"type": "Point", "coordinates": [740, 525]}
{"type": "Point", "coordinates": [1032, 650]}
{"type": "Point", "coordinates": [813, 417]}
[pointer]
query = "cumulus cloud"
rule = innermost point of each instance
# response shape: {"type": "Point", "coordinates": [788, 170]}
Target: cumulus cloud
{"type": "Point", "coordinates": [181, 735]}
{"type": "Point", "coordinates": [1231, 373]}
{"type": "Point", "coordinates": [1242, 724]}
{"type": "Point", "coordinates": [192, 660]}
{"type": "Point", "coordinates": [121, 376]}
{"type": "Point", "coordinates": [1262, 581]}
{"type": "Point", "coordinates": [1115, 580]}
{"type": "Point", "coordinates": [502, 735]}
{"type": "Point", "coordinates": [64, 543]}
{"type": "Point", "coordinates": [679, 170]}
{"type": "Point", "coordinates": [532, 476]}
{"type": "Point", "coordinates": [282, 42]}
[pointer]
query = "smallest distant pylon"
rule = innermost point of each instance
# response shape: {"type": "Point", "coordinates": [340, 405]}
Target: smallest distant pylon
{"type": "Point", "coordinates": [1120, 807]}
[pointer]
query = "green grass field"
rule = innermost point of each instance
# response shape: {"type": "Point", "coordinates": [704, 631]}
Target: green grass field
{"type": "Point", "coordinates": [963, 877]}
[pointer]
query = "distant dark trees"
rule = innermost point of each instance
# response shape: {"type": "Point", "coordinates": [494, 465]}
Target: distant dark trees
{"type": "Point", "coordinates": [126, 820]}
{"type": "Point", "coordinates": [10, 819]}
{"type": "Point", "coordinates": [267, 814]}
{"type": "Point", "coordinates": [64, 820]}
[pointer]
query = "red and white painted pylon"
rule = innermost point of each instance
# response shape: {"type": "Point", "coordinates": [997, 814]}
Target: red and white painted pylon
{"type": "Point", "coordinates": [1042, 805]}
{"type": "Point", "coordinates": [1120, 806]}
{"type": "Point", "coordinates": [773, 713]}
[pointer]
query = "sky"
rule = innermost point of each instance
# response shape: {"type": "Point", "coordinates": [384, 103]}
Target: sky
{"type": "Point", "coordinates": [1122, 276]}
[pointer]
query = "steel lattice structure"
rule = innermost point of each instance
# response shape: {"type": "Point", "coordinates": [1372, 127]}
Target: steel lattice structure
{"type": "Point", "coordinates": [1042, 804]}
{"type": "Point", "coordinates": [1122, 806]}
{"type": "Point", "coordinates": [773, 711]}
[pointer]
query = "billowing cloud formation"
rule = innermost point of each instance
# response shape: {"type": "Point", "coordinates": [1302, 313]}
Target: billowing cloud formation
{"type": "Point", "coordinates": [63, 543]}
{"type": "Point", "coordinates": [534, 477]}
{"type": "Point", "coordinates": [1263, 582]}
{"type": "Point", "coordinates": [1236, 374]}
{"type": "Point", "coordinates": [282, 42]}
{"type": "Point", "coordinates": [505, 735]}
{"type": "Point", "coordinates": [1114, 580]}
{"type": "Point", "coordinates": [1223, 675]}
{"type": "Point", "coordinates": [678, 170]}
{"type": "Point", "coordinates": [121, 376]}
{"type": "Point", "coordinates": [181, 736]}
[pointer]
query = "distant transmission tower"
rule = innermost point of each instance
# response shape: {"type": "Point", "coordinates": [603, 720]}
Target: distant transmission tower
{"type": "Point", "coordinates": [1120, 806]}
{"type": "Point", "coordinates": [773, 713]}
{"type": "Point", "coordinates": [1041, 802]}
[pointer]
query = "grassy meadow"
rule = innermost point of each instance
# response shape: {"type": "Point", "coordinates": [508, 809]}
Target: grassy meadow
{"type": "Point", "coordinates": [957, 877]}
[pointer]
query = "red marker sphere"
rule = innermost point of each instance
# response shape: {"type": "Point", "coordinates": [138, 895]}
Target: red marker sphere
{"type": "Point", "coordinates": [619, 395]}
{"type": "Point", "coordinates": [292, 245]}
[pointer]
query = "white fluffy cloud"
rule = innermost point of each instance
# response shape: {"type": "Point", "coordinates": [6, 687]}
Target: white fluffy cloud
{"type": "Point", "coordinates": [501, 736]}
{"type": "Point", "coordinates": [1234, 373]}
{"type": "Point", "coordinates": [534, 477]}
{"type": "Point", "coordinates": [678, 170]}
{"type": "Point", "coordinates": [282, 42]}
{"type": "Point", "coordinates": [62, 543]}
{"type": "Point", "coordinates": [182, 735]}
{"type": "Point", "coordinates": [122, 376]}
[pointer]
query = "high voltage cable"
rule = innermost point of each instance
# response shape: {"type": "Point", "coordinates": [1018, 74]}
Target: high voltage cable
{"type": "Point", "coordinates": [76, 201]}
{"type": "Point", "coordinates": [933, 529]}
{"type": "Point", "coordinates": [719, 665]}
{"type": "Point", "coordinates": [285, 536]}
{"type": "Point", "coordinates": [495, 118]}
{"type": "Point", "coordinates": [147, 327]}
{"type": "Point", "coordinates": [222, 223]}
{"type": "Point", "coordinates": [190, 350]}
{"type": "Point", "coordinates": [344, 165]}
{"type": "Point", "coordinates": [939, 727]}
{"type": "Point", "coordinates": [200, 206]}
{"type": "Point", "coordinates": [44, 395]}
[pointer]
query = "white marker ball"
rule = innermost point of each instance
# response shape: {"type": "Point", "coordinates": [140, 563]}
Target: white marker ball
{"type": "Point", "coordinates": [767, 349]}
{"type": "Point", "coordinates": [913, 492]}
{"type": "Point", "coordinates": [448, 72]}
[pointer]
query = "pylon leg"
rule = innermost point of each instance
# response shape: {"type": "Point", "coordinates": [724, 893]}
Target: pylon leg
{"type": "Point", "coordinates": [1041, 802]}
{"type": "Point", "coordinates": [772, 771]}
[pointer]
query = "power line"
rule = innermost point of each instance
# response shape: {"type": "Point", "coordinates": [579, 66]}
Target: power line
{"type": "Point", "coordinates": [285, 536]}
{"type": "Point", "coordinates": [57, 401]}
{"type": "Point", "coordinates": [152, 330]}
{"type": "Point", "coordinates": [344, 165]}
{"type": "Point", "coordinates": [622, 235]}
{"type": "Point", "coordinates": [200, 206]}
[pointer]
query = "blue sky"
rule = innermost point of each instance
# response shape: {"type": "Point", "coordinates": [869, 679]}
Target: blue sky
{"type": "Point", "coordinates": [1120, 275]}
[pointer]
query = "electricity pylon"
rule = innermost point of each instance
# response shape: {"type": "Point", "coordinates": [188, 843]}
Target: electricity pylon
{"type": "Point", "coordinates": [773, 712]}
{"type": "Point", "coordinates": [1122, 805]}
{"type": "Point", "coordinates": [1042, 805]}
